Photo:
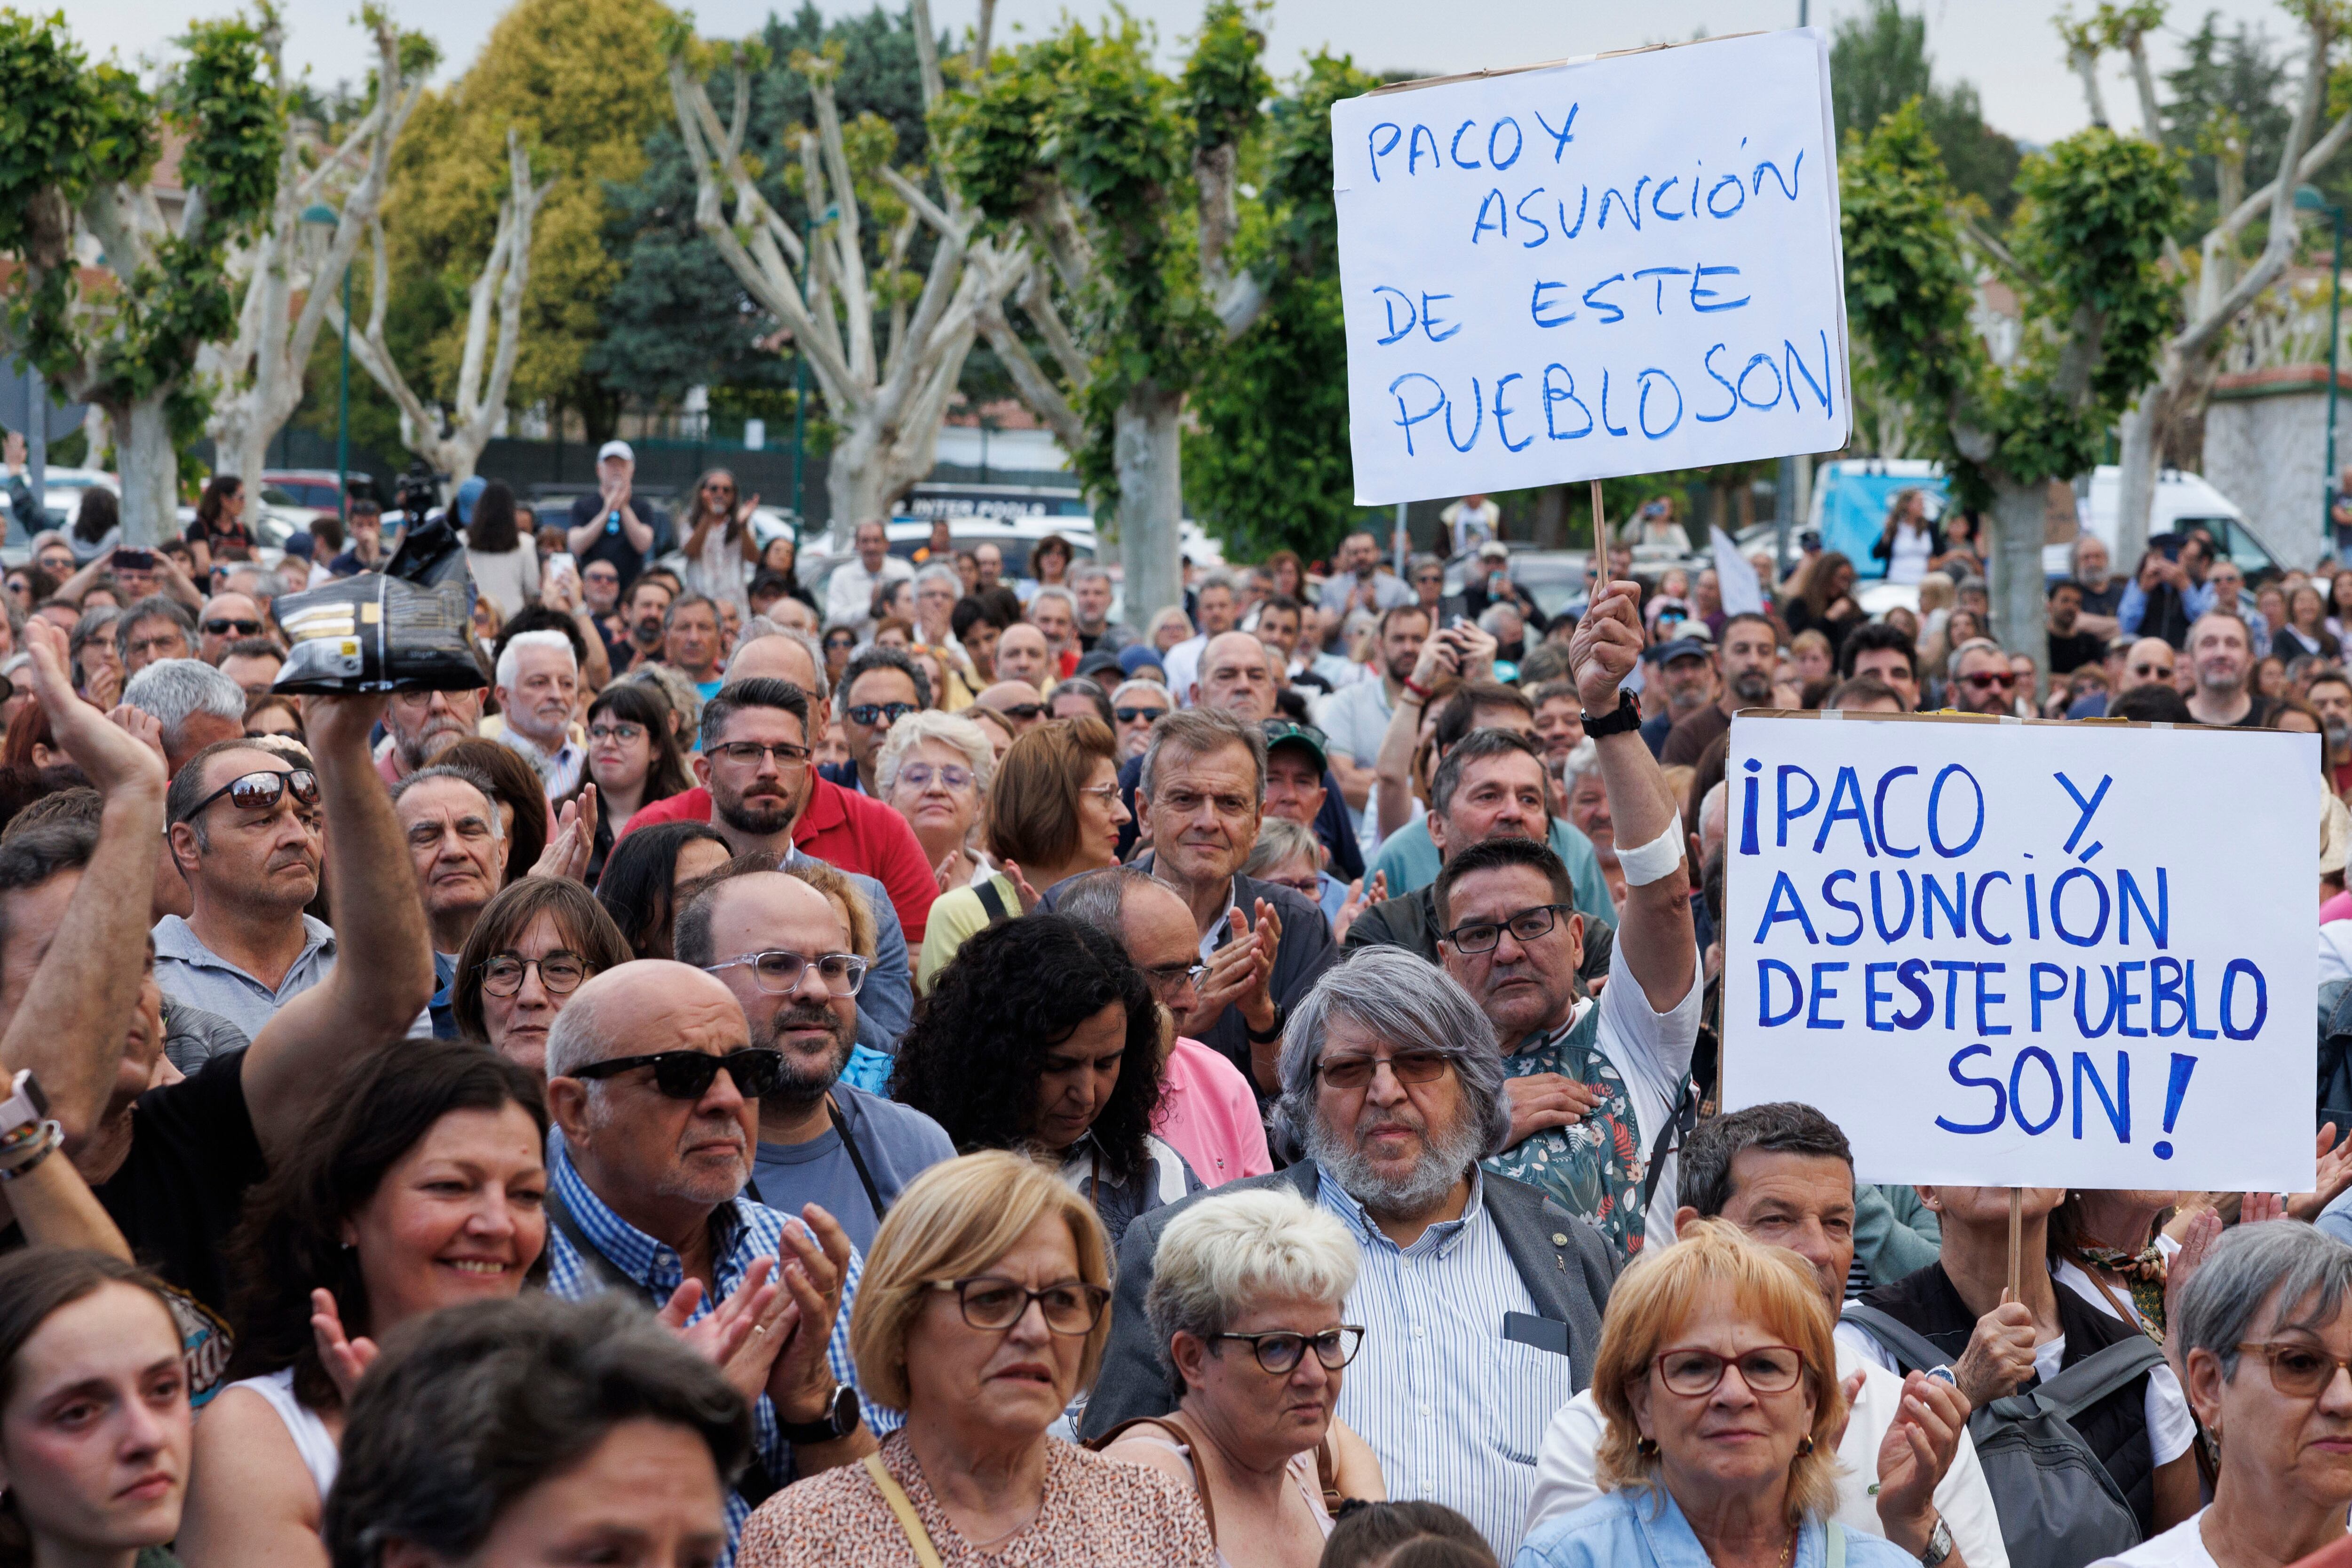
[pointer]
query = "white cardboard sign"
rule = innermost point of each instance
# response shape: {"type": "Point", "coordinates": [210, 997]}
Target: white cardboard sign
{"type": "Point", "coordinates": [1615, 264]}
{"type": "Point", "coordinates": [2006, 954]}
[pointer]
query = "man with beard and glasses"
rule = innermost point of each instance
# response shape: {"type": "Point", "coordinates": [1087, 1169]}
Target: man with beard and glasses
{"type": "Point", "coordinates": [821, 1141]}
{"type": "Point", "coordinates": [1480, 1297]}
{"type": "Point", "coordinates": [2331, 695]}
{"type": "Point", "coordinates": [652, 1088]}
{"type": "Point", "coordinates": [1750, 651]}
{"type": "Point", "coordinates": [420, 725]}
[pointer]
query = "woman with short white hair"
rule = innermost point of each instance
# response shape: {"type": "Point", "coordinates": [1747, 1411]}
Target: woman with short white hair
{"type": "Point", "coordinates": [934, 769]}
{"type": "Point", "coordinates": [1248, 1291]}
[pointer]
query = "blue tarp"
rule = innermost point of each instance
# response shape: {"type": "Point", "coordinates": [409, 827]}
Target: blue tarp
{"type": "Point", "coordinates": [1854, 510]}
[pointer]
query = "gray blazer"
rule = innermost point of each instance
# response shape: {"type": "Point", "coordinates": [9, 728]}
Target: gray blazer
{"type": "Point", "coordinates": [1566, 1265]}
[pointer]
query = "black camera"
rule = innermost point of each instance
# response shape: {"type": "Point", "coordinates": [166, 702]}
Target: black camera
{"type": "Point", "coordinates": [417, 490]}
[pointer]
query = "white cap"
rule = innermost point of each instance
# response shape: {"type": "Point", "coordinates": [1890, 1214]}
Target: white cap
{"type": "Point", "coordinates": [619, 449]}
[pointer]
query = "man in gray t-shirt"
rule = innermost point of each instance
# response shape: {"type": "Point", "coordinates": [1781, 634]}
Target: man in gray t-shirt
{"type": "Point", "coordinates": [768, 936]}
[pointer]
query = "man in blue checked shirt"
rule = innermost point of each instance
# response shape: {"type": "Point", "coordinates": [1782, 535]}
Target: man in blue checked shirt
{"type": "Point", "coordinates": [654, 1088]}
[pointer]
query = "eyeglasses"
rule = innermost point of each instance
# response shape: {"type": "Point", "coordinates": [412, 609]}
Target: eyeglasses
{"type": "Point", "coordinates": [625, 734]}
{"type": "Point", "coordinates": [222, 626]}
{"type": "Point", "coordinates": [1694, 1374]}
{"type": "Point", "coordinates": [560, 973]}
{"type": "Point", "coordinates": [2165, 670]}
{"type": "Point", "coordinates": [1071, 1306]}
{"type": "Point", "coordinates": [1139, 714]}
{"type": "Point", "coordinates": [1987, 683]}
{"type": "Point", "coordinates": [1174, 977]}
{"type": "Point", "coordinates": [1484, 935]}
{"type": "Point", "coordinates": [719, 489]}
{"type": "Point", "coordinates": [1279, 1349]}
{"type": "Point", "coordinates": [871, 714]}
{"type": "Point", "coordinates": [260, 791]}
{"type": "Point", "coordinates": [1104, 795]}
{"type": "Point", "coordinates": [1407, 1066]}
{"type": "Point", "coordinates": [779, 974]}
{"type": "Point", "coordinates": [749, 753]}
{"type": "Point", "coordinates": [839, 644]}
{"type": "Point", "coordinates": [687, 1074]}
{"type": "Point", "coordinates": [1428, 577]}
{"type": "Point", "coordinates": [2299, 1371]}
{"type": "Point", "coordinates": [919, 775]}
{"type": "Point", "coordinates": [1024, 712]}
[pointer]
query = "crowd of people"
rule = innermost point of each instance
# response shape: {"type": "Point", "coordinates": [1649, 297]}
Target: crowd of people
{"type": "Point", "coordinates": [906, 1068]}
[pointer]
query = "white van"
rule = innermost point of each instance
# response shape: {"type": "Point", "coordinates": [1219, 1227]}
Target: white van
{"type": "Point", "coordinates": [2182, 501]}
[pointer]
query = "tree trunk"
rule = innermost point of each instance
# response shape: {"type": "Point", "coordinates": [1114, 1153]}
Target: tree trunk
{"type": "Point", "coordinates": [2020, 515]}
{"type": "Point", "coordinates": [1552, 518]}
{"type": "Point", "coordinates": [151, 473]}
{"type": "Point", "coordinates": [1150, 500]}
{"type": "Point", "coordinates": [854, 483]}
{"type": "Point", "coordinates": [2139, 464]}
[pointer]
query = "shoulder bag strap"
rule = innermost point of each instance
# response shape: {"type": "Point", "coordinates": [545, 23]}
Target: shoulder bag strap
{"type": "Point", "coordinates": [1173, 1423]}
{"type": "Point", "coordinates": [900, 1504]}
{"type": "Point", "coordinates": [1910, 1349]}
{"type": "Point", "coordinates": [1679, 1122]}
{"type": "Point", "coordinates": [2095, 1377]}
{"type": "Point", "coordinates": [865, 1177]}
{"type": "Point", "coordinates": [990, 901]}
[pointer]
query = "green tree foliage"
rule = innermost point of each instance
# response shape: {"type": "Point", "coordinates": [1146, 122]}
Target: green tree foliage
{"type": "Point", "coordinates": [2229, 84]}
{"type": "Point", "coordinates": [1878, 62]}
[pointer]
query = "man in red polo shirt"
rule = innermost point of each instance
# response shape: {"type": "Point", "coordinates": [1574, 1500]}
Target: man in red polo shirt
{"type": "Point", "coordinates": [771, 805]}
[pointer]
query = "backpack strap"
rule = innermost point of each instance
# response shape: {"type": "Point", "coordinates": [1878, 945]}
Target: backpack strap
{"type": "Point", "coordinates": [2096, 1376]}
{"type": "Point", "coordinates": [1911, 1351]}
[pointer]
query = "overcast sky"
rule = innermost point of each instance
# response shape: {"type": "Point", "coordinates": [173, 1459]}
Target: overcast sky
{"type": "Point", "coordinates": [2007, 47]}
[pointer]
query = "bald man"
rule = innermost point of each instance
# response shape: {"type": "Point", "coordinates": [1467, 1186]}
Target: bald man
{"type": "Point", "coordinates": [1018, 701]}
{"type": "Point", "coordinates": [647, 1167]}
{"type": "Point", "coordinates": [1236, 674]}
{"type": "Point", "coordinates": [821, 1140]}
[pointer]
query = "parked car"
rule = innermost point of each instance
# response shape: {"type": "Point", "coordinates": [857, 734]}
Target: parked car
{"type": "Point", "coordinates": [61, 494]}
{"type": "Point", "coordinates": [316, 487]}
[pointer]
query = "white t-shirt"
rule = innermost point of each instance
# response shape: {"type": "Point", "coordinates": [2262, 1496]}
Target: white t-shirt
{"type": "Point", "coordinates": [1908, 560]}
{"type": "Point", "coordinates": [2170, 1427]}
{"type": "Point", "coordinates": [2182, 1546]}
{"type": "Point", "coordinates": [1565, 1467]}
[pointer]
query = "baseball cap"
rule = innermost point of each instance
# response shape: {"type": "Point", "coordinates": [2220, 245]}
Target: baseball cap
{"type": "Point", "coordinates": [616, 449]}
{"type": "Point", "coordinates": [1285, 732]}
{"type": "Point", "coordinates": [1102, 661]}
{"type": "Point", "coordinates": [299, 546]}
{"type": "Point", "coordinates": [1139, 657]}
{"type": "Point", "coordinates": [468, 493]}
{"type": "Point", "coordinates": [1494, 549]}
{"type": "Point", "coordinates": [1680, 648]}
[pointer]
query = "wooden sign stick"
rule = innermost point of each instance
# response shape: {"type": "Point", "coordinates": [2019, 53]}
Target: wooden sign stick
{"type": "Point", "coordinates": [2016, 1243]}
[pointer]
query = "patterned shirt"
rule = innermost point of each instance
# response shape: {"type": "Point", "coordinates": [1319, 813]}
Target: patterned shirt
{"type": "Point", "coordinates": [1096, 1513]}
{"type": "Point", "coordinates": [1455, 1411]}
{"type": "Point", "coordinates": [742, 1230]}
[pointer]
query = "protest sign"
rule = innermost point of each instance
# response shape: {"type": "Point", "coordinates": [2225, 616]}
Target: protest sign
{"type": "Point", "coordinates": [2003, 953]}
{"type": "Point", "coordinates": [1616, 265]}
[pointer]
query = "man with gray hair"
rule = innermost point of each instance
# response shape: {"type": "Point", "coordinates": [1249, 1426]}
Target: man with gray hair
{"type": "Point", "coordinates": [652, 1085]}
{"type": "Point", "coordinates": [1055, 613]}
{"type": "Point", "coordinates": [457, 847]}
{"type": "Point", "coordinates": [196, 705]}
{"type": "Point", "coordinates": [538, 688]}
{"type": "Point", "coordinates": [1480, 1297]}
{"type": "Point", "coordinates": [155, 627]}
{"type": "Point", "coordinates": [1090, 588]}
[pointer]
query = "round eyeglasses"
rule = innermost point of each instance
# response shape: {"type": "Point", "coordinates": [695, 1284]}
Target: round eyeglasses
{"type": "Point", "coordinates": [560, 973]}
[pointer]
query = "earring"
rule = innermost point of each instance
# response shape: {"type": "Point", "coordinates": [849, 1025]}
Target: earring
{"type": "Point", "coordinates": [1647, 1447]}
{"type": "Point", "coordinates": [1804, 1444]}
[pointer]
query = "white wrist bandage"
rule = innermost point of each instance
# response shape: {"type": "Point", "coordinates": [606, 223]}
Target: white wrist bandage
{"type": "Point", "coordinates": [1662, 856]}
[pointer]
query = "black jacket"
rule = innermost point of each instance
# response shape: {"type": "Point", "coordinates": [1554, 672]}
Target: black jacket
{"type": "Point", "coordinates": [1561, 1259]}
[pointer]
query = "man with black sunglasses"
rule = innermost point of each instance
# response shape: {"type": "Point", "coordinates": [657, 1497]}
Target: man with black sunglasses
{"type": "Point", "coordinates": [881, 686]}
{"type": "Point", "coordinates": [224, 618]}
{"type": "Point", "coordinates": [652, 1085]}
{"type": "Point", "coordinates": [779, 945]}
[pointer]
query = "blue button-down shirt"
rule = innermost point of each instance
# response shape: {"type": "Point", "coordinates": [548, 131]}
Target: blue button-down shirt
{"type": "Point", "coordinates": [746, 1230]}
{"type": "Point", "coordinates": [1646, 1528]}
{"type": "Point", "coordinates": [1454, 1411]}
{"type": "Point", "coordinates": [190, 972]}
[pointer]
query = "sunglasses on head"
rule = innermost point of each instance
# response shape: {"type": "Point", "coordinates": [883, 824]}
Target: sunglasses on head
{"type": "Point", "coordinates": [260, 791]}
{"type": "Point", "coordinates": [687, 1074]}
{"type": "Point", "coordinates": [222, 626]}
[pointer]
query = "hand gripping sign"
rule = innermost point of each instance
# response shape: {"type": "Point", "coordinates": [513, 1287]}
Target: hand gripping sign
{"type": "Point", "coordinates": [1616, 265]}
{"type": "Point", "coordinates": [2034, 953]}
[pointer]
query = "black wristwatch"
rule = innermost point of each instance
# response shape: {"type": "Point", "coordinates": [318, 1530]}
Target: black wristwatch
{"type": "Point", "coordinates": [839, 1423]}
{"type": "Point", "coordinates": [1627, 717]}
{"type": "Point", "coordinates": [1281, 1016]}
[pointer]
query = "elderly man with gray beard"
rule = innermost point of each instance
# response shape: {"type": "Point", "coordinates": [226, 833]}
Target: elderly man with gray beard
{"type": "Point", "coordinates": [1480, 1297]}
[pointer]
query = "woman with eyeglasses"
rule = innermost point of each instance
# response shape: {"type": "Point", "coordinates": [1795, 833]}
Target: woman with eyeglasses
{"type": "Point", "coordinates": [934, 769]}
{"type": "Point", "coordinates": [840, 643]}
{"type": "Point", "coordinates": [633, 760]}
{"type": "Point", "coordinates": [531, 946]}
{"type": "Point", "coordinates": [981, 1314]}
{"type": "Point", "coordinates": [719, 547]}
{"type": "Point", "coordinates": [2263, 1337]}
{"type": "Point", "coordinates": [1719, 1382]}
{"type": "Point", "coordinates": [420, 1185]}
{"type": "Point", "coordinates": [1043, 1037]}
{"type": "Point", "coordinates": [1247, 1301]}
{"type": "Point", "coordinates": [1052, 812]}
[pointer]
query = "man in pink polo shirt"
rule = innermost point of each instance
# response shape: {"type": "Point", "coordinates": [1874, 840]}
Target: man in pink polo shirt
{"type": "Point", "coordinates": [1207, 1112]}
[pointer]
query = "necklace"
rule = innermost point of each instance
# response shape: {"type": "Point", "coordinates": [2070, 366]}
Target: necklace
{"type": "Point", "coordinates": [1790, 1551]}
{"type": "Point", "coordinates": [984, 1547]}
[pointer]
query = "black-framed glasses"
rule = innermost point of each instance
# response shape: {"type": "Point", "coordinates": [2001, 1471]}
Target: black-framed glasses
{"type": "Point", "coordinates": [1987, 683]}
{"type": "Point", "coordinates": [749, 753]}
{"type": "Point", "coordinates": [687, 1074]}
{"type": "Point", "coordinates": [2298, 1370]}
{"type": "Point", "coordinates": [1694, 1374]}
{"type": "Point", "coordinates": [1174, 977]}
{"type": "Point", "coordinates": [1023, 712]}
{"type": "Point", "coordinates": [994, 1303]}
{"type": "Point", "coordinates": [261, 791]}
{"type": "Point", "coordinates": [560, 973]}
{"type": "Point", "coordinates": [1280, 1350]}
{"type": "Point", "coordinates": [1146, 715]}
{"type": "Point", "coordinates": [222, 626]}
{"type": "Point", "coordinates": [625, 734]}
{"type": "Point", "coordinates": [1526, 926]}
{"type": "Point", "coordinates": [871, 714]}
{"type": "Point", "coordinates": [1407, 1066]}
{"type": "Point", "coordinates": [779, 973]}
